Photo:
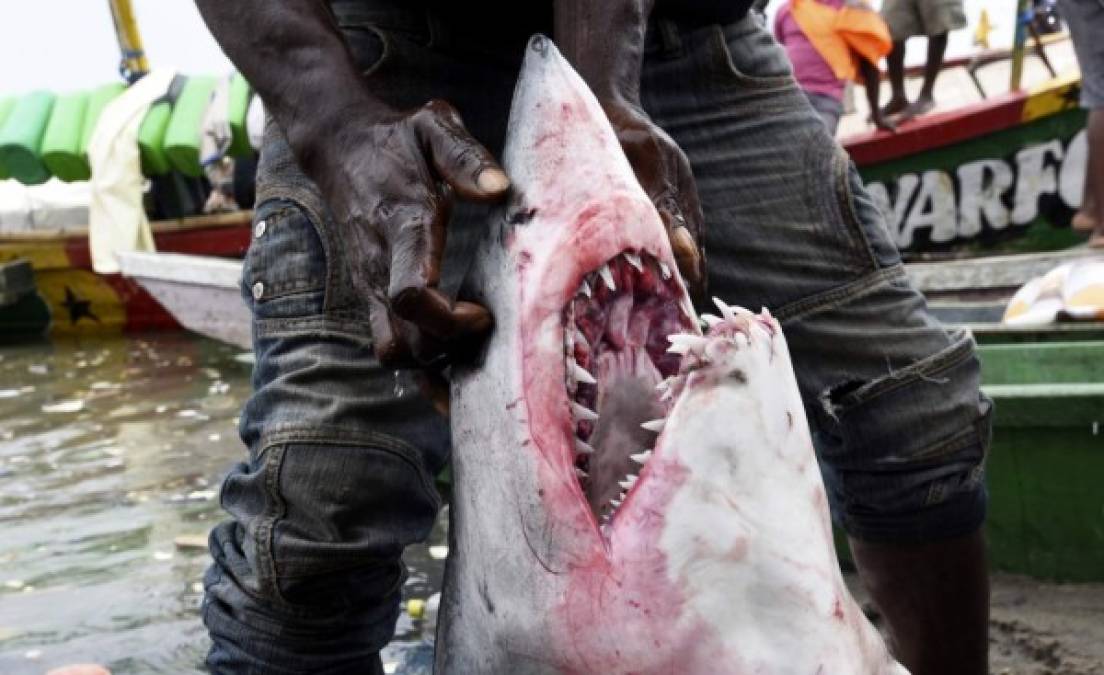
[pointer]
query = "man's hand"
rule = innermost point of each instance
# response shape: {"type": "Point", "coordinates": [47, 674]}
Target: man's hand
{"type": "Point", "coordinates": [664, 173]}
{"type": "Point", "coordinates": [605, 42]}
{"type": "Point", "coordinates": [388, 177]}
{"type": "Point", "coordinates": [391, 190]}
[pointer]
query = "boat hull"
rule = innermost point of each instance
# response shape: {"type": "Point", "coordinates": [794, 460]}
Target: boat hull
{"type": "Point", "coordinates": [72, 300]}
{"type": "Point", "coordinates": [1000, 176]}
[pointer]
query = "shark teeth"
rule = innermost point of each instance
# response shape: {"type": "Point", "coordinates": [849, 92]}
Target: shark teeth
{"type": "Point", "coordinates": [634, 260]}
{"type": "Point", "coordinates": [628, 482]}
{"type": "Point", "coordinates": [581, 374]}
{"type": "Point", "coordinates": [582, 447]}
{"type": "Point", "coordinates": [654, 425]}
{"type": "Point", "coordinates": [684, 343]}
{"type": "Point", "coordinates": [615, 502]}
{"type": "Point", "coordinates": [727, 312]}
{"type": "Point", "coordinates": [579, 473]}
{"type": "Point", "coordinates": [664, 270]}
{"type": "Point", "coordinates": [711, 319]}
{"type": "Point", "coordinates": [582, 412]}
{"type": "Point", "coordinates": [607, 277]}
{"type": "Point", "coordinates": [584, 289]}
{"type": "Point", "coordinates": [641, 457]}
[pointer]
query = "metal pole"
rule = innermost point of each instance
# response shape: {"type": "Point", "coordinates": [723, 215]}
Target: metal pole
{"type": "Point", "coordinates": [134, 63]}
{"type": "Point", "coordinates": [1023, 16]}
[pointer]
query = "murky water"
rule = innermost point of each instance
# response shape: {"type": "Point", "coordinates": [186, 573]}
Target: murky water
{"type": "Point", "coordinates": [109, 452]}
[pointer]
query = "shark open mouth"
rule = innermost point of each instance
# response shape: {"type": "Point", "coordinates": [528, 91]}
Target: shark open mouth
{"type": "Point", "coordinates": [616, 330]}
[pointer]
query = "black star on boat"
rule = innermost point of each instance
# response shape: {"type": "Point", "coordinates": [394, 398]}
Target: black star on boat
{"type": "Point", "coordinates": [78, 308]}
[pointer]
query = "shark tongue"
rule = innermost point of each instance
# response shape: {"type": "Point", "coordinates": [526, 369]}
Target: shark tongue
{"type": "Point", "coordinates": [615, 348]}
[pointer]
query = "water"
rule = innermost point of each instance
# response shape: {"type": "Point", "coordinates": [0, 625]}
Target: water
{"type": "Point", "coordinates": [109, 451]}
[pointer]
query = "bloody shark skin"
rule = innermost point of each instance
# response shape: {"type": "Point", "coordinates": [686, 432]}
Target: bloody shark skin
{"type": "Point", "coordinates": [631, 496]}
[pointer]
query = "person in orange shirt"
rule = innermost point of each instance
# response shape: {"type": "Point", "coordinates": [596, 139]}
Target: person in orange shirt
{"type": "Point", "coordinates": [829, 43]}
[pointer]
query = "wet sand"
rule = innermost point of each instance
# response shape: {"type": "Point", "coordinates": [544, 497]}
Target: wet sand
{"type": "Point", "coordinates": [1039, 628]}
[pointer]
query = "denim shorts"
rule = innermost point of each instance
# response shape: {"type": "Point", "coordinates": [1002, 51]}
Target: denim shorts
{"type": "Point", "coordinates": [342, 451]}
{"type": "Point", "coordinates": [909, 18]}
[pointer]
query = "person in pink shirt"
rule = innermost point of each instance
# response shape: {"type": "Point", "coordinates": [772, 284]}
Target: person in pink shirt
{"type": "Point", "coordinates": [813, 72]}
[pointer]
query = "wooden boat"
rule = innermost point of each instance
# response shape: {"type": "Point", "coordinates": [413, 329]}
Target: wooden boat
{"type": "Point", "coordinates": [201, 292]}
{"type": "Point", "coordinates": [1002, 174]}
{"type": "Point", "coordinates": [71, 299]}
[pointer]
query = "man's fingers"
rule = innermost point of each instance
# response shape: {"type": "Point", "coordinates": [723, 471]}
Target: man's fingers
{"type": "Point", "coordinates": [459, 159]}
{"type": "Point", "coordinates": [686, 252]}
{"type": "Point", "coordinates": [432, 313]}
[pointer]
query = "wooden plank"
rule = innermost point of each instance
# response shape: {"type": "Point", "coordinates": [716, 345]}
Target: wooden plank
{"type": "Point", "coordinates": [1005, 271]}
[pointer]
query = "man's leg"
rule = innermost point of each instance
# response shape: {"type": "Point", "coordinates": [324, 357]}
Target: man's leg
{"type": "Point", "coordinates": [307, 574]}
{"type": "Point", "coordinates": [901, 426]}
{"type": "Point", "coordinates": [895, 65]}
{"type": "Point", "coordinates": [942, 585]}
{"type": "Point", "coordinates": [1094, 178]}
{"type": "Point", "coordinates": [925, 100]}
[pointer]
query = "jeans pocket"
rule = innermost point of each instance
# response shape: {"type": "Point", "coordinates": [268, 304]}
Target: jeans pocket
{"type": "Point", "coordinates": [750, 58]}
{"type": "Point", "coordinates": [285, 270]}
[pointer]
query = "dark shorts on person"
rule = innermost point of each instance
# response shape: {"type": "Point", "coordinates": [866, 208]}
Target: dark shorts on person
{"type": "Point", "coordinates": [1085, 20]}
{"type": "Point", "coordinates": [908, 18]}
{"type": "Point", "coordinates": [307, 574]}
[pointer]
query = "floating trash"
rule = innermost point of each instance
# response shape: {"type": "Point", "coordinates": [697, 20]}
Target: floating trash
{"type": "Point", "coordinates": [33, 654]}
{"type": "Point", "coordinates": [162, 555]}
{"type": "Point", "coordinates": [70, 406]}
{"type": "Point", "coordinates": [191, 542]}
{"type": "Point", "coordinates": [14, 584]}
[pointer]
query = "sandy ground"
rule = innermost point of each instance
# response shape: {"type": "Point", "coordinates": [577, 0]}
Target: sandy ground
{"type": "Point", "coordinates": [1039, 628]}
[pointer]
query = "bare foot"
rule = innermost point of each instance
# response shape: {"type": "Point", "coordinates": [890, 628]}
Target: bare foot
{"type": "Point", "coordinates": [921, 106]}
{"type": "Point", "coordinates": [80, 669]}
{"type": "Point", "coordinates": [894, 106]}
{"type": "Point", "coordinates": [1083, 222]}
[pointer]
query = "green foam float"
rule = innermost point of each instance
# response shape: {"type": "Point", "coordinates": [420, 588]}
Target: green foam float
{"type": "Point", "coordinates": [6, 105]}
{"type": "Point", "coordinates": [21, 138]}
{"type": "Point", "coordinates": [97, 101]}
{"type": "Point", "coordinates": [61, 151]}
{"type": "Point", "coordinates": [182, 138]}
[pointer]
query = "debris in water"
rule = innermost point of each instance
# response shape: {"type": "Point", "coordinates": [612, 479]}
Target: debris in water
{"type": "Point", "coordinates": [70, 406]}
{"type": "Point", "coordinates": [439, 552]}
{"type": "Point", "coordinates": [162, 555]}
{"type": "Point", "coordinates": [191, 542]}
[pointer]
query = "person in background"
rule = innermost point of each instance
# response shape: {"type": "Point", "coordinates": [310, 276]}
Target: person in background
{"type": "Point", "coordinates": [906, 18]}
{"type": "Point", "coordinates": [828, 44]}
{"type": "Point", "coordinates": [1085, 19]}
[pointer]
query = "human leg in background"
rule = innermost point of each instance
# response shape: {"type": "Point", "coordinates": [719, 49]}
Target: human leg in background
{"type": "Point", "coordinates": [1093, 206]}
{"type": "Point", "coordinates": [895, 65]}
{"type": "Point", "coordinates": [925, 100]}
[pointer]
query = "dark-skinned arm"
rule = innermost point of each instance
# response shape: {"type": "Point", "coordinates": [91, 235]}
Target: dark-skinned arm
{"type": "Point", "coordinates": [604, 41]}
{"type": "Point", "coordinates": [380, 170]}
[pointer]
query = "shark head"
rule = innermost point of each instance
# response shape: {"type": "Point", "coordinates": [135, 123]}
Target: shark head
{"type": "Point", "coordinates": [630, 494]}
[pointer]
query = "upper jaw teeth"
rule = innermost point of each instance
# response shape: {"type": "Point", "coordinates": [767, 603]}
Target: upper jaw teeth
{"type": "Point", "coordinates": [634, 260]}
{"type": "Point", "coordinates": [607, 277]}
{"type": "Point", "coordinates": [581, 374]}
{"type": "Point", "coordinates": [582, 412]}
{"type": "Point", "coordinates": [654, 425]}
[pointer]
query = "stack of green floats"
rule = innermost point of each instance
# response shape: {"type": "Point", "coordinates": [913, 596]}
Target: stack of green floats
{"type": "Point", "coordinates": [44, 135]}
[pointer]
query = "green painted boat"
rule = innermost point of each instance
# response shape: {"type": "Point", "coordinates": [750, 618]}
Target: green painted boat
{"type": "Point", "coordinates": [1046, 513]}
{"type": "Point", "coordinates": [1001, 174]}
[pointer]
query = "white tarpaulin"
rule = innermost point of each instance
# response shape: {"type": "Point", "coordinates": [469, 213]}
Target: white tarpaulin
{"type": "Point", "coordinates": [117, 220]}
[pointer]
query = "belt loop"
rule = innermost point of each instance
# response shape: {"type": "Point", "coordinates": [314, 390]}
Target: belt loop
{"type": "Point", "coordinates": [670, 37]}
{"type": "Point", "coordinates": [434, 26]}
